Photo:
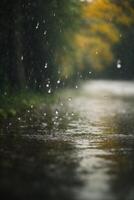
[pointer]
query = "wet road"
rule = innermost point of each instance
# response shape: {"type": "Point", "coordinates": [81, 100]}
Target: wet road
{"type": "Point", "coordinates": [82, 148]}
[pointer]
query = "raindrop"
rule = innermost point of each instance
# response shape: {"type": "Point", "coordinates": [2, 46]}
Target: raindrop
{"type": "Point", "coordinates": [19, 118]}
{"type": "Point", "coordinates": [45, 32]}
{"type": "Point", "coordinates": [69, 99]}
{"type": "Point", "coordinates": [72, 114]}
{"type": "Point", "coordinates": [22, 58]}
{"type": "Point", "coordinates": [58, 81]}
{"type": "Point", "coordinates": [76, 86]}
{"type": "Point", "coordinates": [31, 106]}
{"type": "Point", "coordinates": [119, 64]}
{"type": "Point", "coordinates": [37, 25]}
{"type": "Point", "coordinates": [55, 123]}
{"type": "Point", "coordinates": [49, 91]}
{"type": "Point", "coordinates": [56, 112]}
{"type": "Point", "coordinates": [46, 65]}
{"type": "Point", "coordinates": [47, 85]}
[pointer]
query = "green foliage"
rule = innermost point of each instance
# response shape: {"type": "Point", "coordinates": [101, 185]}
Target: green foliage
{"type": "Point", "coordinates": [11, 105]}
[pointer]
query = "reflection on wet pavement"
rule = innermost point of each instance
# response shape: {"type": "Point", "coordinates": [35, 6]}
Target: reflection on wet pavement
{"type": "Point", "coordinates": [82, 148]}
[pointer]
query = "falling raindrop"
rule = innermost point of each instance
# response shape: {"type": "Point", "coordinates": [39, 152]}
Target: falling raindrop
{"type": "Point", "coordinates": [119, 64]}
{"type": "Point", "coordinates": [45, 32]}
{"type": "Point", "coordinates": [49, 91]}
{"type": "Point", "coordinates": [45, 114]}
{"type": "Point", "coordinates": [58, 82]}
{"type": "Point", "coordinates": [56, 112]}
{"type": "Point", "coordinates": [37, 25]}
{"type": "Point", "coordinates": [55, 123]}
{"type": "Point", "coordinates": [72, 114]}
{"type": "Point", "coordinates": [22, 58]}
{"type": "Point", "coordinates": [31, 106]}
{"type": "Point", "coordinates": [46, 65]}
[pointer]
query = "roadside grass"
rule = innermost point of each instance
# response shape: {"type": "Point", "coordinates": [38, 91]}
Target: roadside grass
{"type": "Point", "coordinates": [11, 105]}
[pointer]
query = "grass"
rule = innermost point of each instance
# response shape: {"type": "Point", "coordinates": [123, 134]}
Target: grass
{"type": "Point", "coordinates": [14, 104]}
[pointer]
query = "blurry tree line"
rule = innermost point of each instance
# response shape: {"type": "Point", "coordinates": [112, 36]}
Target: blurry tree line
{"type": "Point", "coordinates": [105, 40]}
{"type": "Point", "coordinates": [31, 34]}
{"type": "Point", "coordinates": [45, 43]}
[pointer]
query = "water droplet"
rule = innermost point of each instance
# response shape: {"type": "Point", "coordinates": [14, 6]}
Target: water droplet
{"type": "Point", "coordinates": [119, 64]}
{"type": "Point", "coordinates": [58, 81]}
{"type": "Point", "coordinates": [55, 123]}
{"type": "Point", "coordinates": [47, 85]}
{"type": "Point", "coordinates": [45, 32]}
{"type": "Point", "coordinates": [37, 25]}
{"type": "Point", "coordinates": [45, 114]}
{"type": "Point", "coordinates": [46, 65]}
{"type": "Point", "coordinates": [72, 114]}
{"type": "Point", "coordinates": [31, 106]}
{"type": "Point", "coordinates": [49, 91]}
{"type": "Point", "coordinates": [69, 99]}
{"type": "Point", "coordinates": [22, 58]}
{"type": "Point", "coordinates": [56, 112]}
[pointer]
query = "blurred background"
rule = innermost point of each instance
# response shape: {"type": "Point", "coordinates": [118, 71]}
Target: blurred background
{"type": "Point", "coordinates": [42, 42]}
